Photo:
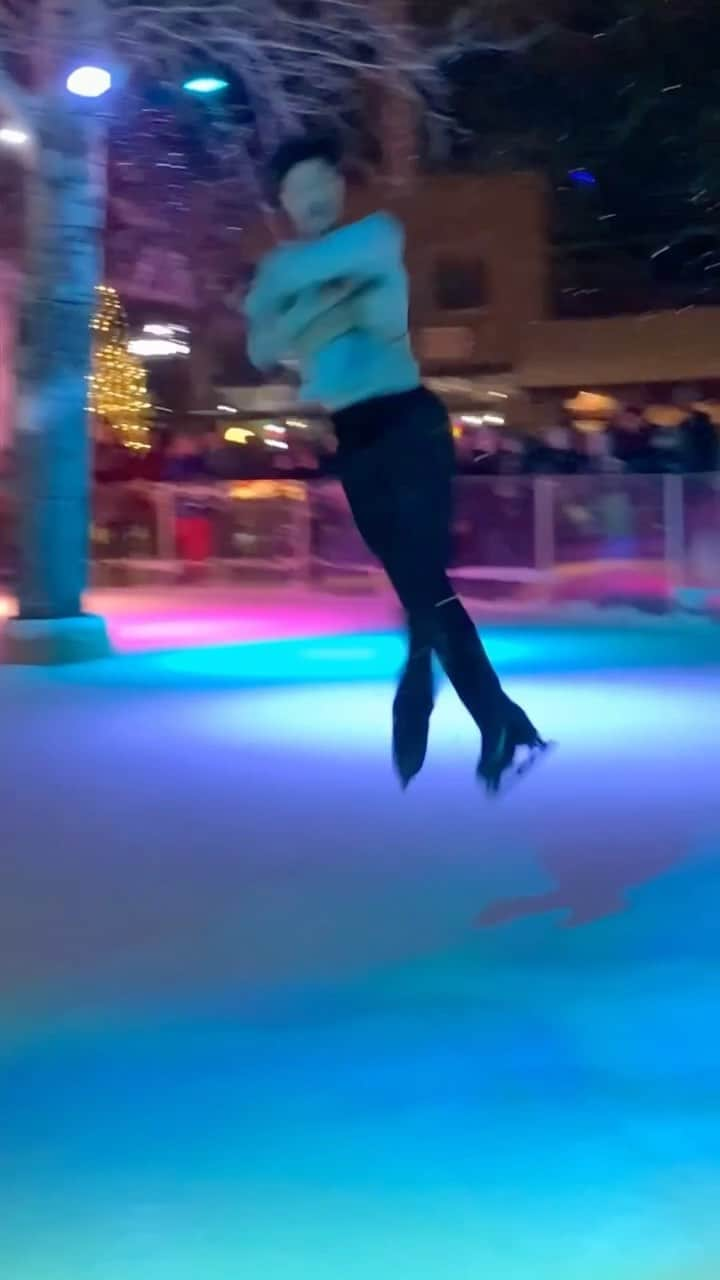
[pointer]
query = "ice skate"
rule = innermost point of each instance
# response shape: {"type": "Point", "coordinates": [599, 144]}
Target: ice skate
{"type": "Point", "coordinates": [511, 747]}
{"type": "Point", "coordinates": [412, 709]}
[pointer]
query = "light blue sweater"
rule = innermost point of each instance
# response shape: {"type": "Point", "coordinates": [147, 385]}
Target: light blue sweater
{"type": "Point", "coordinates": [373, 359]}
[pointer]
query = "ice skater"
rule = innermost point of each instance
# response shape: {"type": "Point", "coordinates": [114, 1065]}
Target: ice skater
{"type": "Point", "coordinates": [336, 300]}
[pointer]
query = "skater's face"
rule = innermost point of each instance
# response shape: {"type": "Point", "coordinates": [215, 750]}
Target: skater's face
{"type": "Point", "coordinates": [312, 194]}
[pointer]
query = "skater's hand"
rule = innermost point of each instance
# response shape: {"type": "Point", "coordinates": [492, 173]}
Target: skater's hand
{"type": "Point", "coordinates": [338, 316]}
{"type": "Point", "coordinates": [332, 324]}
{"type": "Point", "coordinates": [288, 332]}
{"type": "Point", "coordinates": [336, 291]}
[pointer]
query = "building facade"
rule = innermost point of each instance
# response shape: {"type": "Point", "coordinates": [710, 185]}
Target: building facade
{"type": "Point", "coordinates": [480, 261]}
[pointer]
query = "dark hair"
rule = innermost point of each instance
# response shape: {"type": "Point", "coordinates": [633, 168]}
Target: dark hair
{"type": "Point", "coordinates": [299, 149]}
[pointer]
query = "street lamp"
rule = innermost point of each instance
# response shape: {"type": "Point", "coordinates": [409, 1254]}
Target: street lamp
{"type": "Point", "coordinates": [89, 82]}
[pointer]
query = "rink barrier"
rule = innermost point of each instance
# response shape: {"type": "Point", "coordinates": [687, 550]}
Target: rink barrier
{"type": "Point", "coordinates": [600, 538]}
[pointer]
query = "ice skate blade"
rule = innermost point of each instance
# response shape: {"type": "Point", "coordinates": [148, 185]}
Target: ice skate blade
{"type": "Point", "coordinates": [405, 780]}
{"type": "Point", "coordinates": [516, 773]}
{"type": "Point", "coordinates": [410, 746]}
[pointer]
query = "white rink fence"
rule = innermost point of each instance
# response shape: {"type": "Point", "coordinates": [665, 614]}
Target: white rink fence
{"type": "Point", "coordinates": [651, 541]}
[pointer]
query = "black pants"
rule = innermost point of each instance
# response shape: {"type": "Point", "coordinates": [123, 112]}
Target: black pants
{"type": "Point", "coordinates": [397, 464]}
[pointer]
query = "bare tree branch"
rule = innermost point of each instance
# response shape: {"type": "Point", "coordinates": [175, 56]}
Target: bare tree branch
{"type": "Point", "coordinates": [267, 43]}
{"type": "Point", "coordinates": [289, 61]}
{"type": "Point", "coordinates": [12, 94]}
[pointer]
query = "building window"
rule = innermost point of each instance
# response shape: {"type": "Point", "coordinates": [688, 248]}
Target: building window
{"type": "Point", "coordinates": [447, 344]}
{"type": "Point", "coordinates": [460, 284]}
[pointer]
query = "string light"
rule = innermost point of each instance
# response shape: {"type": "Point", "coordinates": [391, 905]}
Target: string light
{"type": "Point", "coordinates": [117, 386]}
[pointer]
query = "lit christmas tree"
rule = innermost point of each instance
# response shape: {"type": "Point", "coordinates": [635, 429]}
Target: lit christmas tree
{"type": "Point", "coordinates": [118, 392]}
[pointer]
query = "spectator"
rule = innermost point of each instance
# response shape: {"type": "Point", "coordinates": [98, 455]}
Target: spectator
{"type": "Point", "coordinates": [185, 461]}
{"type": "Point", "coordinates": [305, 462]}
{"type": "Point", "coordinates": [486, 452]}
{"type": "Point", "coordinates": [599, 457]}
{"type": "Point", "coordinates": [185, 465]}
{"type": "Point", "coordinates": [664, 454]}
{"type": "Point", "coordinates": [112, 461]}
{"type": "Point", "coordinates": [630, 434]}
{"type": "Point", "coordinates": [699, 444]}
{"type": "Point", "coordinates": [151, 462]}
{"type": "Point", "coordinates": [557, 453]}
{"type": "Point", "coordinates": [511, 456]}
{"type": "Point", "coordinates": [219, 458]}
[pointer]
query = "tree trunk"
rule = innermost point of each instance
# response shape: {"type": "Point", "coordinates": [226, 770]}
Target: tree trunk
{"type": "Point", "coordinates": [65, 216]}
{"type": "Point", "coordinates": [397, 115]}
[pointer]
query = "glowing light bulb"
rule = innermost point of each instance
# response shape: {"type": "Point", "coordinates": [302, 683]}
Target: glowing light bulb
{"type": "Point", "coordinates": [89, 82]}
{"type": "Point", "coordinates": [205, 84]}
{"type": "Point", "coordinates": [13, 137]}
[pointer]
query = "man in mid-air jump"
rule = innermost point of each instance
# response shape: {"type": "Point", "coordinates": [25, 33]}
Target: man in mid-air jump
{"type": "Point", "coordinates": [336, 300]}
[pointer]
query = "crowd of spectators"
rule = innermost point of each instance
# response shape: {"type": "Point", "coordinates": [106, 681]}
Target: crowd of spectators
{"type": "Point", "coordinates": [630, 444]}
{"type": "Point", "coordinates": [192, 457]}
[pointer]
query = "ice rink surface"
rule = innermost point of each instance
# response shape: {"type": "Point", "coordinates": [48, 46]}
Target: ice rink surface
{"type": "Point", "coordinates": [267, 1018]}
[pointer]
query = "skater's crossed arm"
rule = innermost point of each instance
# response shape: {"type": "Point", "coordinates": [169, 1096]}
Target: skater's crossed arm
{"type": "Point", "coordinates": [339, 318]}
{"type": "Point", "coordinates": [275, 332]}
{"type": "Point", "coordinates": [304, 296]}
{"type": "Point", "coordinates": [380, 309]}
{"type": "Point", "coordinates": [369, 257]}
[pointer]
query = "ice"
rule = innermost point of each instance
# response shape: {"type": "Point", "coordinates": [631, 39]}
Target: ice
{"type": "Point", "coordinates": [266, 1016]}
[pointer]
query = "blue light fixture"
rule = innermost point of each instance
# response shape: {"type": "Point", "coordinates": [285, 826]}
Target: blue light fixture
{"type": "Point", "coordinates": [205, 84]}
{"type": "Point", "coordinates": [582, 178]}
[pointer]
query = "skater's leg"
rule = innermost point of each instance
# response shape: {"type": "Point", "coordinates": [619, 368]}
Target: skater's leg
{"type": "Point", "coordinates": [465, 660]}
{"type": "Point", "coordinates": [418, 552]}
{"type": "Point", "coordinates": [413, 703]}
{"type": "Point", "coordinates": [420, 467]}
{"type": "Point", "coordinates": [504, 726]}
{"type": "Point", "coordinates": [400, 492]}
{"type": "Point", "coordinates": [369, 494]}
